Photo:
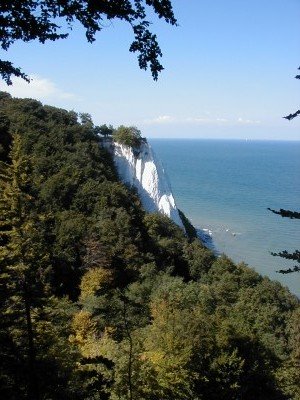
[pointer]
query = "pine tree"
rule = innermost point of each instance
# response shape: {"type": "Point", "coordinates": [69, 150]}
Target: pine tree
{"type": "Point", "coordinates": [23, 269]}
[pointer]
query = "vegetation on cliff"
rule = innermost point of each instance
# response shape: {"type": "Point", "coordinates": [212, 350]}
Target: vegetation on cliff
{"type": "Point", "coordinates": [128, 135]}
{"type": "Point", "coordinates": [100, 300]}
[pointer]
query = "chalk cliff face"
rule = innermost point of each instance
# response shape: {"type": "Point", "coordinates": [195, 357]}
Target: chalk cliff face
{"type": "Point", "coordinates": [143, 170]}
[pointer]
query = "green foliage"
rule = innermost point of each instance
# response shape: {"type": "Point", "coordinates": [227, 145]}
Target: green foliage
{"type": "Point", "coordinates": [28, 323]}
{"type": "Point", "coordinates": [130, 136]}
{"type": "Point", "coordinates": [105, 130]}
{"type": "Point", "coordinates": [189, 228]}
{"type": "Point", "coordinates": [288, 374]}
{"type": "Point", "coordinates": [168, 242]}
{"type": "Point", "coordinates": [198, 257]}
{"type": "Point", "coordinates": [100, 300]}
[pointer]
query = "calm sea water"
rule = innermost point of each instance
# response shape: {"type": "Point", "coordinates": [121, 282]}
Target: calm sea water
{"type": "Point", "coordinates": [225, 188]}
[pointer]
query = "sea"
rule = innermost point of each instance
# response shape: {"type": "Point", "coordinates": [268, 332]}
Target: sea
{"type": "Point", "coordinates": [225, 188]}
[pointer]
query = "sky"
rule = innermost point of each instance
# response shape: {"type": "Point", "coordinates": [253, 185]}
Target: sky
{"type": "Point", "coordinates": [229, 69]}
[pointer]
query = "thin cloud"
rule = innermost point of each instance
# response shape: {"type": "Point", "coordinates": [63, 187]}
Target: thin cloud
{"type": "Point", "coordinates": [196, 120]}
{"type": "Point", "coordinates": [247, 121]}
{"type": "Point", "coordinates": [199, 120]}
{"type": "Point", "coordinates": [161, 119]}
{"type": "Point", "coordinates": [206, 119]}
{"type": "Point", "coordinates": [39, 88]}
{"type": "Point", "coordinates": [222, 119]}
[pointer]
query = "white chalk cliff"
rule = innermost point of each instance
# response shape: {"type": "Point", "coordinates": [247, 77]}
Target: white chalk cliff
{"type": "Point", "coordinates": [141, 169]}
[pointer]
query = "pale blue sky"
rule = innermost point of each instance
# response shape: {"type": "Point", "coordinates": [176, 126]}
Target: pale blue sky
{"type": "Point", "coordinates": [229, 69]}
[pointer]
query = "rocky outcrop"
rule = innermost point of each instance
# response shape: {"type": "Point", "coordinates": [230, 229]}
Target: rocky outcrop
{"type": "Point", "coordinates": [141, 169]}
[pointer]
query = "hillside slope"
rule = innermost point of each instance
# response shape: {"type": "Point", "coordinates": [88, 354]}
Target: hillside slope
{"type": "Point", "coordinates": [101, 300]}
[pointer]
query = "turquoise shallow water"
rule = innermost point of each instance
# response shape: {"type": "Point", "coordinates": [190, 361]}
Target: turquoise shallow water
{"type": "Point", "coordinates": [225, 187]}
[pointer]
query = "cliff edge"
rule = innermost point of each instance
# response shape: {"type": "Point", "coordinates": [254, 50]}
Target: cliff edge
{"type": "Point", "coordinates": [141, 168]}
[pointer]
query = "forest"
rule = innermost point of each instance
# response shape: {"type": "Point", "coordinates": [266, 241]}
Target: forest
{"type": "Point", "coordinates": [100, 300]}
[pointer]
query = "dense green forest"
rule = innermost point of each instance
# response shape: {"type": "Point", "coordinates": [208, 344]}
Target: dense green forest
{"type": "Point", "coordinates": [100, 300]}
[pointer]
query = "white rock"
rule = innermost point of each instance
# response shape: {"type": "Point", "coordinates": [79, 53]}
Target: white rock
{"type": "Point", "coordinates": [144, 171]}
